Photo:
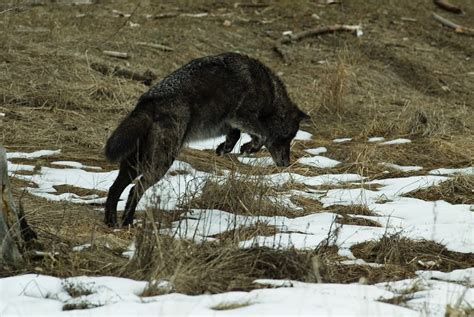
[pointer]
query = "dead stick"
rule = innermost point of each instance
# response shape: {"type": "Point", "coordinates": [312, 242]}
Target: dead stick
{"type": "Point", "coordinates": [318, 31]}
{"type": "Point", "coordinates": [146, 78]}
{"type": "Point", "coordinates": [157, 46]}
{"type": "Point", "coordinates": [165, 15]}
{"type": "Point", "coordinates": [448, 6]}
{"type": "Point", "coordinates": [250, 5]}
{"type": "Point", "coordinates": [456, 27]}
{"type": "Point", "coordinates": [116, 54]}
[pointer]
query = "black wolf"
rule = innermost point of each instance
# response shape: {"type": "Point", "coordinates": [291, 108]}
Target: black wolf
{"type": "Point", "coordinates": [208, 97]}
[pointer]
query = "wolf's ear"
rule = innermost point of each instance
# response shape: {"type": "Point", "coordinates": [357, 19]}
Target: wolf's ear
{"type": "Point", "coordinates": [303, 117]}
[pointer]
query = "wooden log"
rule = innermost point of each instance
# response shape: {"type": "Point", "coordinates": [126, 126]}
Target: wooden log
{"type": "Point", "coordinates": [146, 78]}
{"type": "Point", "coordinates": [445, 5]}
{"type": "Point", "coordinates": [160, 47]}
{"type": "Point", "coordinates": [116, 54]}
{"type": "Point", "coordinates": [11, 239]}
{"type": "Point", "coordinates": [286, 39]}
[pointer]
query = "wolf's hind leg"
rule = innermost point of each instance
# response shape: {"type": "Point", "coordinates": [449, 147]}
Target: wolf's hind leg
{"type": "Point", "coordinates": [163, 146]}
{"type": "Point", "coordinates": [228, 145]}
{"type": "Point", "coordinates": [128, 172]}
{"type": "Point", "coordinates": [253, 146]}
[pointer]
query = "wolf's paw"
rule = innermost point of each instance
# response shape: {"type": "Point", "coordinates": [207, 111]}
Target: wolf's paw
{"type": "Point", "coordinates": [248, 148]}
{"type": "Point", "coordinates": [223, 148]}
{"type": "Point", "coordinates": [111, 223]}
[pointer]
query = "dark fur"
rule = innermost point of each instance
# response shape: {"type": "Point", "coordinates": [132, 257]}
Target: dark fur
{"type": "Point", "coordinates": [208, 97]}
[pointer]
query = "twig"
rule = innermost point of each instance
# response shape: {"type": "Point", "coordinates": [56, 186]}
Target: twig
{"type": "Point", "coordinates": [164, 15]}
{"type": "Point", "coordinates": [124, 23]}
{"type": "Point", "coordinates": [443, 4]}
{"type": "Point", "coordinates": [146, 78]}
{"type": "Point", "coordinates": [157, 46]}
{"type": "Point", "coordinates": [10, 9]}
{"type": "Point", "coordinates": [456, 27]}
{"type": "Point", "coordinates": [290, 38]}
{"type": "Point", "coordinates": [116, 54]}
{"type": "Point", "coordinates": [250, 5]}
{"type": "Point", "coordinates": [286, 39]}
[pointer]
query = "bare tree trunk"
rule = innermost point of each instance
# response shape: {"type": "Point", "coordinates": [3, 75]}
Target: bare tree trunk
{"type": "Point", "coordinates": [11, 220]}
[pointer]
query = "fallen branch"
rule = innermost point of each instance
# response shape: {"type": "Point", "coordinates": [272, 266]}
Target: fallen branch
{"type": "Point", "coordinates": [116, 54]}
{"type": "Point", "coordinates": [146, 78]}
{"type": "Point", "coordinates": [163, 15]}
{"type": "Point", "coordinates": [443, 4]}
{"type": "Point", "coordinates": [289, 38]}
{"type": "Point", "coordinates": [456, 27]}
{"type": "Point", "coordinates": [160, 47]}
{"type": "Point", "coordinates": [250, 5]}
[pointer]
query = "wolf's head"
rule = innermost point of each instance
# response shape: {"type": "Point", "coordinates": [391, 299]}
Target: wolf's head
{"type": "Point", "coordinates": [284, 128]}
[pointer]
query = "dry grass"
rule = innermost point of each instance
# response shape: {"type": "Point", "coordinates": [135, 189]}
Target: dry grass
{"type": "Point", "coordinates": [357, 221]}
{"type": "Point", "coordinates": [231, 305]}
{"type": "Point", "coordinates": [243, 195]}
{"type": "Point", "coordinates": [457, 190]}
{"type": "Point", "coordinates": [412, 255]}
{"type": "Point", "coordinates": [248, 232]}
{"type": "Point", "coordinates": [212, 267]}
{"type": "Point", "coordinates": [332, 100]}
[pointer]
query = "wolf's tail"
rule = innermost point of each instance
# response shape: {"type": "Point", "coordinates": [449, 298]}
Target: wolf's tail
{"type": "Point", "coordinates": [130, 133]}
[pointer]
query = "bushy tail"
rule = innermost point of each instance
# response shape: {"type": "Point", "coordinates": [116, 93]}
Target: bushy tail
{"type": "Point", "coordinates": [128, 135]}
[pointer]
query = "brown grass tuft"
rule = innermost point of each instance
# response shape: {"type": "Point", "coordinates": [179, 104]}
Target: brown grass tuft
{"type": "Point", "coordinates": [457, 190]}
{"type": "Point", "coordinates": [212, 267]}
{"type": "Point", "coordinates": [413, 255]}
{"type": "Point", "coordinates": [244, 195]}
{"type": "Point", "coordinates": [332, 100]}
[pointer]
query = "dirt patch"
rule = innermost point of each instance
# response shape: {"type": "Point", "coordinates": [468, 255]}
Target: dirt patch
{"type": "Point", "coordinates": [457, 190]}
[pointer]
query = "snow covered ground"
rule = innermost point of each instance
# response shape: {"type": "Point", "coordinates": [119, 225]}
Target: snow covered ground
{"type": "Point", "coordinates": [440, 221]}
{"type": "Point", "coordinates": [39, 295]}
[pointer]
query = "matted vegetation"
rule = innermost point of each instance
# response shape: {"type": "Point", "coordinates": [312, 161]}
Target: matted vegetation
{"type": "Point", "coordinates": [457, 190]}
{"type": "Point", "coordinates": [412, 254]}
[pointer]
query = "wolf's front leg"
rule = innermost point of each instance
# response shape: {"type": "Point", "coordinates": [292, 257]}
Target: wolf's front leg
{"type": "Point", "coordinates": [228, 145]}
{"type": "Point", "coordinates": [253, 146]}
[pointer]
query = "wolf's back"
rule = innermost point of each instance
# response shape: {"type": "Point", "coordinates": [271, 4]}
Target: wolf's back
{"type": "Point", "coordinates": [129, 135]}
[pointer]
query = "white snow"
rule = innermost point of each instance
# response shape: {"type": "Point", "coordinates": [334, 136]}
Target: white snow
{"type": "Point", "coordinates": [432, 296]}
{"type": "Point", "coordinates": [397, 141]}
{"type": "Point", "coordinates": [303, 135]}
{"type": "Point", "coordinates": [376, 139]}
{"type": "Point", "coordinates": [439, 221]}
{"type": "Point", "coordinates": [318, 161]}
{"type": "Point", "coordinates": [342, 140]}
{"type": "Point", "coordinates": [213, 143]}
{"type": "Point", "coordinates": [317, 151]}
{"type": "Point", "coordinates": [402, 168]}
{"type": "Point", "coordinates": [451, 171]}
{"type": "Point", "coordinates": [39, 295]}
{"type": "Point", "coordinates": [257, 161]}
{"type": "Point", "coordinates": [81, 247]}
{"type": "Point", "coordinates": [32, 155]}
{"type": "Point", "coordinates": [463, 276]}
